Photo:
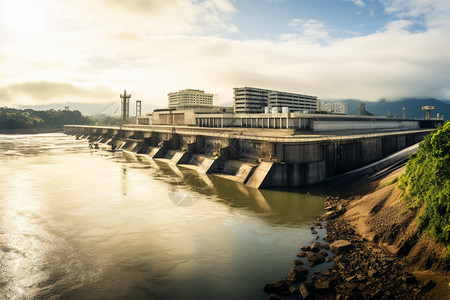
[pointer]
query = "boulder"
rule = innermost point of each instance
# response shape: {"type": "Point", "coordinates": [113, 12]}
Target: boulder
{"type": "Point", "coordinates": [322, 285]}
{"type": "Point", "coordinates": [305, 292]}
{"type": "Point", "coordinates": [429, 284]}
{"type": "Point", "coordinates": [340, 246]}
{"type": "Point", "coordinates": [277, 286]}
{"type": "Point", "coordinates": [409, 279]}
{"type": "Point", "coordinates": [314, 259]}
{"type": "Point", "coordinates": [273, 297]}
{"type": "Point", "coordinates": [294, 291]}
{"type": "Point", "coordinates": [315, 246]}
{"type": "Point", "coordinates": [298, 262]}
{"type": "Point", "coordinates": [297, 274]}
{"type": "Point", "coordinates": [305, 248]}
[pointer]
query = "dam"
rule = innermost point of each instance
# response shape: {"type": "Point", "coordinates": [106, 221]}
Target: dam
{"type": "Point", "coordinates": [256, 157]}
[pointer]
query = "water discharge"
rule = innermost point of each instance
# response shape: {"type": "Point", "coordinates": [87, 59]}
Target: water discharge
{"type": "Point", "coordinates": [77, 223]}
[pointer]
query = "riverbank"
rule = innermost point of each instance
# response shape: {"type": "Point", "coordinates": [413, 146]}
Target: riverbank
{"type": "Point", "coordinates": [30, 130]}
{"type": "Point", "coordinates": [380, 254]}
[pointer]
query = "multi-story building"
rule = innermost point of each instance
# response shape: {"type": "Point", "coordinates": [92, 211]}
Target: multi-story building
{"type": "Point", "coordinates": [190, 98]}
{"type": "Point", "coordinates": [334, 107]}
{"type": "Point", "coordinates": [250, 100]}
{"type": "Point", "coordinates": [254, 100]}
{"type": "Point", "coordinates": [295, 102]}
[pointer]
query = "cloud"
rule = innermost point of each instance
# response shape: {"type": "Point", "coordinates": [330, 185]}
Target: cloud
{"type": "Point", "coordinates": [310, 29]}
{"type": "Point", "coordinates": [295, 22]}
{"type": "Point", "coordinates": [434, 13]}
{"type": "Point", "coordinates": [359, 3]}
{"type": "Point", "coordinates": [398, 26]}
{"type": "Point", "coordinates": [151, 16]}
{"type": "Point", "coordinates": [93, 57]}
{"type": "Point", "coordinates": [48, 92]}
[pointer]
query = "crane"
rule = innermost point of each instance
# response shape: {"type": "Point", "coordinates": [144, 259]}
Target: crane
{"type": "Point", "coordinates": [428, 110]}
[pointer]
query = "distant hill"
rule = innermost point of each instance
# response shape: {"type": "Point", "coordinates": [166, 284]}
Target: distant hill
{"type": "Point", "coordinates": [413, 107]}
{"type": "Point", "coordinates": [92, 109]}
{"type": "Point", "coordinates": [11, 118]}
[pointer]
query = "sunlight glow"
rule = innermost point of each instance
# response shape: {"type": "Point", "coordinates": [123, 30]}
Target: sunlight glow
{"type": "Point", "coordinates": [24, 18]}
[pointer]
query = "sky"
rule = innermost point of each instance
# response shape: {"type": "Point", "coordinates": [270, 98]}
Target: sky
{"type": "Point", "coordinates": [54, 51]}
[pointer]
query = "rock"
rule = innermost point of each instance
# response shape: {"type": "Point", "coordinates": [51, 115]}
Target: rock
{"type": "Point", "coordinates": [314, 259]}
{"type": "Point", "coordinates": [300, 270]}
{"type": "Point", "coordinates": [351, 279]}
{"type": "Point", "coordinates": [294, 291]}
{"type": "Point", "coordinates": [274, 297]}
{"type": "Point", "coordinates": [322, 285]}
{"type": "Point", "coordinates": [297, 274]}
{"type": "Point", "coordinates": [362, 287]}
{"type": "Point", "coordinates": [410, 279]}
{"type": "Point", "coordinates": [314, 231]}
{"type": "Point", "coordinates": [357, 296]}
{"type": "Point", "coordinates": [305, 292]}
{"type": "Point", "coordinates": [361, 277]}
{"type": "Point", "coordinates": [329, 216]}
{"type": "Point", "coordinates": [298, 262]}
{"type": "Point", "coordinates": [430, 284]}
{"type": "Point", "coordinates": [303, 254]}
{"type": "Point", "coordinates": [340, 246]}
{"type": "Point", "coordinates": [305, 248]}
{"type": "Point", "coordinates": [277, 286]}
{"type": "Point", "coordinates": [315, 246]}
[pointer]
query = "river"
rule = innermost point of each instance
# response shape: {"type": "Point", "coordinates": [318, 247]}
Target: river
{"type": "Point", "coordinates": [77, 223]}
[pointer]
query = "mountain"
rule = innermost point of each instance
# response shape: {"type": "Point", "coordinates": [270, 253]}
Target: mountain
{"type": "Point", "coordinates": [413, 107]}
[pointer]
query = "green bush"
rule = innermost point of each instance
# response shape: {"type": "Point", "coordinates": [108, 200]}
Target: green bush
{"type": "Point", "coordinates": [426, 182]}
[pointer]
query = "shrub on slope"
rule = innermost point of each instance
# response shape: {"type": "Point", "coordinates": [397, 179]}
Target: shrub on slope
{"type": "Point", "coordinates": [426, 182]}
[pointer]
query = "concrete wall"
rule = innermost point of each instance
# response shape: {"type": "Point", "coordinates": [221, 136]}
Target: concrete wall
{"type": "Point", "coordinates": [295, 162]}
{"type": "Point", "coordinates": [364, 124]}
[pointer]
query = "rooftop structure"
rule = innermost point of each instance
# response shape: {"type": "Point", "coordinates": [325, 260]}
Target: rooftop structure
{"type": "Point", "coordinates": [334, 107]}
{"type": "Point", "coordinates": [190, 97]}
{"type": "Point", "coordinates": [254, 100]}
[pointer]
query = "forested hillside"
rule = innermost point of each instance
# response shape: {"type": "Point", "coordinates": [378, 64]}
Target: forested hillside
{"type": "Point", "coordinates": [11, 118]}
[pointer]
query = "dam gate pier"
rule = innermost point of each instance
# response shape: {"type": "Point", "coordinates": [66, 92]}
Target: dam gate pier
{"type": "Point", "coordinates": [256, 157]}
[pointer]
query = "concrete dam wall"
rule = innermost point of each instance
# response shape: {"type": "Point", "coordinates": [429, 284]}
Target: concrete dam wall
{"type": "Point", "coordinates": [259, 157]}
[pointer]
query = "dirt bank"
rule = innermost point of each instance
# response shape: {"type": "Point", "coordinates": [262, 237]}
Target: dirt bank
{"type": "Point", "coordinates": [383, 256]}
{"type": "Point", "coordinates": [383, 219]}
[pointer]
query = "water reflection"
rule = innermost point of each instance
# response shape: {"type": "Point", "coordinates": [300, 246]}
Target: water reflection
{"type": "Point", "coordinates": [280, 206]}
{"type": "Point", "coordinates": [77, 223]}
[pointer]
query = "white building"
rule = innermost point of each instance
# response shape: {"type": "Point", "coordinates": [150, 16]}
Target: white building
{"type": "Point", "coordinates": [190, 98]}
{"type": "Point", "coordinates": [254, 100]}
{"type": "Point", "coordinates": [334, 107]}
